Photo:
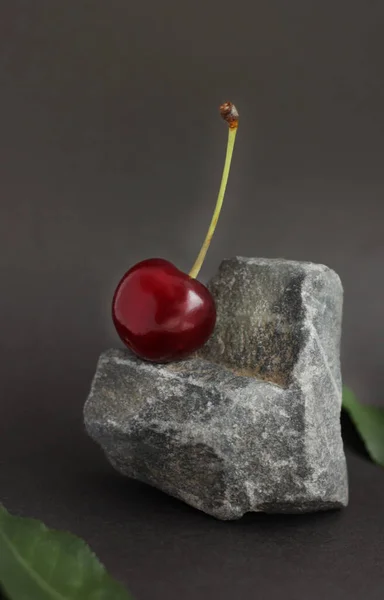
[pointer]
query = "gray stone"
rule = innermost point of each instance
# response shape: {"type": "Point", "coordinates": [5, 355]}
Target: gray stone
{"type": "Point", "coordinates": [252, 423]}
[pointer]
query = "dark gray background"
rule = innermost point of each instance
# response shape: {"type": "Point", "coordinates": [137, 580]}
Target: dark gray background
{"type": "Point", "coordinates": [111, 151]}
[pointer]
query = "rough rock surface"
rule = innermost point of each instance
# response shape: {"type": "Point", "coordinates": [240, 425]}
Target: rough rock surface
{"type": "Point", "coordinates": [253, 422]}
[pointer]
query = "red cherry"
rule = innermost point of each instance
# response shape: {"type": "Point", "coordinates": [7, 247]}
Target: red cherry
{"type": "Point", "coordinates": [161, 313]}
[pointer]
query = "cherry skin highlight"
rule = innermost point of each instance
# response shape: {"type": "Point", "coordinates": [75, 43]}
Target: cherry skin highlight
{"type": "Point", "coordinates": [161, 313]}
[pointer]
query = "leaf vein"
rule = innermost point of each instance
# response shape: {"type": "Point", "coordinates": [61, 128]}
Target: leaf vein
{"type": "Point", "coordinates": [33, 574]}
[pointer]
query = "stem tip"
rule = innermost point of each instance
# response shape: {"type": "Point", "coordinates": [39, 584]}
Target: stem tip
{"type": "Point", "coordinates": [229, 113]}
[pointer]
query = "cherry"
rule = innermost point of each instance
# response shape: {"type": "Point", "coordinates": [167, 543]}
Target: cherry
{"type": "Point", "coordinates": [161, 313]}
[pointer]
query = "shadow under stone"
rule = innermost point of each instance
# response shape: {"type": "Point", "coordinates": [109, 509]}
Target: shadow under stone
{"type": "Point", "coordinates": [351, 438]}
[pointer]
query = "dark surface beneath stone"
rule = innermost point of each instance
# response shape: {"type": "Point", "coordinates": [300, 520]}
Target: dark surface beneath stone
{"type": "Point", "coordinates": [164, 550]}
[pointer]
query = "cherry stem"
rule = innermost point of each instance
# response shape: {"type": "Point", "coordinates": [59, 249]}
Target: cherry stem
{"type": "Point", "coordinates": [229, 113]}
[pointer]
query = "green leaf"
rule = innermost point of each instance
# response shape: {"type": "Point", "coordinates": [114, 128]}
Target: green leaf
{"type": "Point", "coordinates": [369, 422]}
{"type": "Point", "coordinates": [37, 563]}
